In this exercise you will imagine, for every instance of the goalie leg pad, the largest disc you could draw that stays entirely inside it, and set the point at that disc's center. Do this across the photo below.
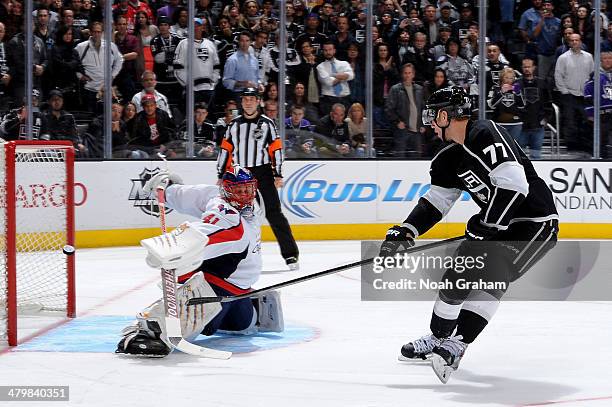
(150, 328)
(182, 249)
(270, 312)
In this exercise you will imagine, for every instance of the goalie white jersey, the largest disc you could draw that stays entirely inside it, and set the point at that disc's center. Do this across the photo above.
(233, 252)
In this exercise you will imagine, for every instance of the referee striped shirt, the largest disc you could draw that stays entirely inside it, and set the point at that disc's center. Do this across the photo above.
(251, 143)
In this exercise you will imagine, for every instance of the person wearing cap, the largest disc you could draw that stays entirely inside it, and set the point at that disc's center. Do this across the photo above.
(149, 82)
(206, 64)
(163, 47)
(439, 48)
(167, 10)
(312, 33)
(61, 124)
(252, 141)
(13, 125)
(466, 17)
(447, 13)
(153, 128)
(242, 68)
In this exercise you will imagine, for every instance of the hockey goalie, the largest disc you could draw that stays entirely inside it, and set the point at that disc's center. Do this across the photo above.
(217, 255)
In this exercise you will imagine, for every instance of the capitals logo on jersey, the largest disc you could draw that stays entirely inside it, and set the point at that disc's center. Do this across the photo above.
(475, 185)
(143, 200)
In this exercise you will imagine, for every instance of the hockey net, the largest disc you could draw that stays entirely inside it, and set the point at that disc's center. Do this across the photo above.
(36, 222)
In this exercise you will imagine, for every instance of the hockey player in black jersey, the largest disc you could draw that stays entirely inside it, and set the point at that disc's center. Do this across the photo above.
(517, 223)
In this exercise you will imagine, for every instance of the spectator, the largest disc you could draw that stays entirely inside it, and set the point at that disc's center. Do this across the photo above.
(606, 44)
(206, 65)
(306, 72)
(204, 137)
(466, 18)
(92, 55)
(545, 34)
(387, 28)
(149, 82)
(421, 59)
(439, 48)
(403, 46)
(312, 33)
(469, 45)
(13, 126)
(292, 60)
(529, 20)
(403, 109)
(64, 64)
(42, 29)
(564, 47)
(605, 77)
(327, 26)
(81, 18)
(538, 108)
(430, 24)
(61, 124)
(506, 101)
(54, 17)
(270, 109)
(432, 143)
(385, 76)
(163, 47)
(15, 58)
(128, 46)
(167, 10)
(448, 14)
(153, 128)
(582, 24)
(335, 128)
(342, 38)
(298, 99)
(506, 9)
(296, 126)
(358, 84)
(129, 116)
(493, 66)
(14, 21)
(357, 128)
(145, 32)
(68, 21)
(230, 112)
(270, 92)
(333, 77)
(458, 70)
(262, 53)
(180, 18)
(242, 69)
(304, 148)
(571, 73)
(5, 77)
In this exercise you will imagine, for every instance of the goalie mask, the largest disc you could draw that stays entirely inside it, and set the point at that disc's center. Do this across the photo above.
(453, 99)
(239, 187)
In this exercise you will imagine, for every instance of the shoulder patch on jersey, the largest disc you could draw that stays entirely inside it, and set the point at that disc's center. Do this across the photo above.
(226, 209)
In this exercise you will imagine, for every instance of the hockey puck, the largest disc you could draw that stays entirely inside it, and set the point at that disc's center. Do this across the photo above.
(68, 250)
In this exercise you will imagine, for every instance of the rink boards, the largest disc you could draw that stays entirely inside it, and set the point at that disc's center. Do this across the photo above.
(325, 199)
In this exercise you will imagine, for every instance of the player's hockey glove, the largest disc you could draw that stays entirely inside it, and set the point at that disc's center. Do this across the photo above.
(475, 230)
(162, 179)
(399, 238)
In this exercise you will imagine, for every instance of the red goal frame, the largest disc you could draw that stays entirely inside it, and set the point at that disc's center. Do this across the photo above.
(11, 148)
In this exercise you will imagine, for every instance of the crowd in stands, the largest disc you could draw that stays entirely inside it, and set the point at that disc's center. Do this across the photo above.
(537, 52)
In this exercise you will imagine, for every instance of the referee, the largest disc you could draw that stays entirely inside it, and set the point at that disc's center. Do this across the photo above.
(252, 141)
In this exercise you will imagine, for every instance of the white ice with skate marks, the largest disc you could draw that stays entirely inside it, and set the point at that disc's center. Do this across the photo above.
(532, 353)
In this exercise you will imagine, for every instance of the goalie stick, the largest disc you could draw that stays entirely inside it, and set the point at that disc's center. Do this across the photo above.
(255, 293)
(172, 319)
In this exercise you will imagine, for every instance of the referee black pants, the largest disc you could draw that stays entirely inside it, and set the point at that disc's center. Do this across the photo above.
(271, 202)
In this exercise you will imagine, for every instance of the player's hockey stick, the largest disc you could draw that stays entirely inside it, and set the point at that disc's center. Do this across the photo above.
(172, 319)
(255, 293)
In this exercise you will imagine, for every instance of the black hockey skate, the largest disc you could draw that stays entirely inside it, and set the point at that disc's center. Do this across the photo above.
(419, 349)
(446, 357)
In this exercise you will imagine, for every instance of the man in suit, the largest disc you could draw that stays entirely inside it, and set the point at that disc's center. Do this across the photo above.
(403, 109)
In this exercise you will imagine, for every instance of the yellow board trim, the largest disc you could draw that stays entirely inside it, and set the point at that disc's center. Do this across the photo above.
(376, 231)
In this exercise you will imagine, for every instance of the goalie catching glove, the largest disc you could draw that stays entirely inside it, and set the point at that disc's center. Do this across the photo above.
(162, 179)
(399, 238)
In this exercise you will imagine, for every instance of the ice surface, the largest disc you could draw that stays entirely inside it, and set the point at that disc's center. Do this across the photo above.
(339, 351)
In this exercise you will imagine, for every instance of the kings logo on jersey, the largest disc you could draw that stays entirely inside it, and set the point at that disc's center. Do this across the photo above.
(143, 200)
(476, 186)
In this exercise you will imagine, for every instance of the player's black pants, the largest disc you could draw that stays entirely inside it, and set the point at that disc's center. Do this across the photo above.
(503, 260)
(278, 221)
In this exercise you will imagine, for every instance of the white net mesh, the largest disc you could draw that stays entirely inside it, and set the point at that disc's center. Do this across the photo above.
(41, 231)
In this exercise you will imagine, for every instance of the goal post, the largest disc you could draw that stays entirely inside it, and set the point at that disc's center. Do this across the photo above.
(36, 223)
